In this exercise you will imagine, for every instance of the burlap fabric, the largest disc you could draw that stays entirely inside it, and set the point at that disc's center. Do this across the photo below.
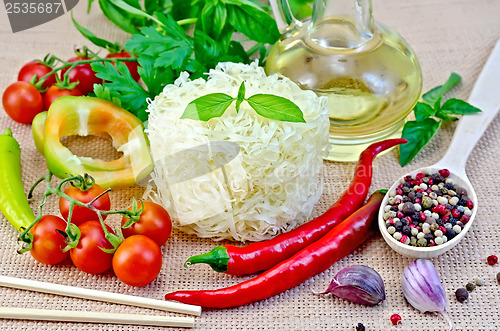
(447, 36)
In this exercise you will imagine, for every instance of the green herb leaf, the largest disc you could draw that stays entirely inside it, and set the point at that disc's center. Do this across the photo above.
(122, 86)
(253, 23)
(423, 111)
(458, 107)
(154, 79)
(445, 117)
(301, 8)
(207, 106)
(276, 108)
(151, 6)
(89, 5)
(206, 49)
(241, 96)
(220, 18)
(168, 50)
(182, 9)
(235, 53)
(133, 10)
(433, 95)
(418, 135)
(99, 42)
(104, 93)
(120, 18)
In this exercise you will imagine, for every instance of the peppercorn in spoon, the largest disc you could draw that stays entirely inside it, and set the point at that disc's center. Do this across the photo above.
(429, 210)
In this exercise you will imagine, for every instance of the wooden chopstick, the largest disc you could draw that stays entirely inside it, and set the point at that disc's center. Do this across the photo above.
(78, 292)
(93, 317)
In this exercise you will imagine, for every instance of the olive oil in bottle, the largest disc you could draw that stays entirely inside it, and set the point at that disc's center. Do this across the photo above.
(369, 74)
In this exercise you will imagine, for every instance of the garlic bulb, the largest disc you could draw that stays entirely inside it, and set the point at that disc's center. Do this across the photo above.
(358, 284)
(423, 290)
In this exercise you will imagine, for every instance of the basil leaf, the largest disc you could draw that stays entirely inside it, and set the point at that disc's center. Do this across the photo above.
(241, 96)
(133, 10)
(418, 134)
(99, 42)
(151, 6)
(276, 108)
(253, 3)
(220, 18)
(445, 117)
(119, 18)
(207, 17)
(207, 106)
(423, 111)
(253, 23)
(235, 53)
(458, 107)
(213, 18)
(433, 95)
(206, 49)
(89, 6)
(182, 9)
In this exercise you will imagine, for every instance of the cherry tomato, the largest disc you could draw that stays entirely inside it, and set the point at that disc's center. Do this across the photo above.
(137, 261)
(83, 74)
(35, 68)
(87, 256)
(55, 92)
(47, 242)
(22, 102)
(132, 66)
(83, 214)
(154, 223)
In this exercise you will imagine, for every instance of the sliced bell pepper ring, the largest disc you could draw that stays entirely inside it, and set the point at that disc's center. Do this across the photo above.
(84, 116)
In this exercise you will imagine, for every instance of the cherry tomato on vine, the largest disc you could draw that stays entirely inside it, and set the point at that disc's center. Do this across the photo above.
(137, 261)
(35, 68)
(154, 223)
(132, 66)
(87, 256)
(55, 92)
(83, 214)
(22, 102)
(83, 74)
(47, 241)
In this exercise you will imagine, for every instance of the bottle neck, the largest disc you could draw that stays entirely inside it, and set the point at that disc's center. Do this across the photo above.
(341, 23)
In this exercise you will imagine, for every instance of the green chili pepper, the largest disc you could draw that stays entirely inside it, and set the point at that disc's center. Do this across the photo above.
(13, 202)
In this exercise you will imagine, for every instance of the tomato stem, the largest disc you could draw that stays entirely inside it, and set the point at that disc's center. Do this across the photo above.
(72, 65)
(72, 231)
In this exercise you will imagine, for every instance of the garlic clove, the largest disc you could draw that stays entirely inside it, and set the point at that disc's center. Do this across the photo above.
(358, 284)
(422, 288)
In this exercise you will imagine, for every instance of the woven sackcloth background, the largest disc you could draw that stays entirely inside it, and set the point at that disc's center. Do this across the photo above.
(447, 36)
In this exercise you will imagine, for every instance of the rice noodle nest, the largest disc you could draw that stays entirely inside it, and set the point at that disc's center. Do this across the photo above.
(270, 184)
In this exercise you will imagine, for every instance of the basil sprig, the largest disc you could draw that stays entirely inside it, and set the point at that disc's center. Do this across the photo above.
(266, 105)
(429, 115)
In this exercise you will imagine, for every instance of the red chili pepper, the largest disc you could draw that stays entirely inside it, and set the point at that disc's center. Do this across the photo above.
(264, 255)
(312, 260)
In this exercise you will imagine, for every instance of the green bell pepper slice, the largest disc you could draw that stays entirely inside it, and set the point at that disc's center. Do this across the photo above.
(85, 116)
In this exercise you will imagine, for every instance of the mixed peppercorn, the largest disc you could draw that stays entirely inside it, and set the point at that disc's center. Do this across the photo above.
(427, 210)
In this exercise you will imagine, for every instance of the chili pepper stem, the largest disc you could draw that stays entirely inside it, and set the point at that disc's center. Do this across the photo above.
(217, 258)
